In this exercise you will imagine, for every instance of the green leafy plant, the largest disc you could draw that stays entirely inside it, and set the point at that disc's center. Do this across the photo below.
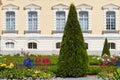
(106, 72)
(73, 59)
(116, 74)
(94, 70)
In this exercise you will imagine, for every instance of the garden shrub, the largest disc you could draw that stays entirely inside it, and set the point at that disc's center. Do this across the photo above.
(94, 70)
(93, 60)
(106, 48)
(73, 59)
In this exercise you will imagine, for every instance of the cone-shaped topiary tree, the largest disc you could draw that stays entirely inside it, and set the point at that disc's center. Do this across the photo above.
(106, 48)
(73, 59)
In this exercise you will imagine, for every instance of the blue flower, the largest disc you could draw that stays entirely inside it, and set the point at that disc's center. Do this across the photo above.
(28, 62)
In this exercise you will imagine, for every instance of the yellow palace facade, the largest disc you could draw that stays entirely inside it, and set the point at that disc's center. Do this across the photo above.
(36, 26)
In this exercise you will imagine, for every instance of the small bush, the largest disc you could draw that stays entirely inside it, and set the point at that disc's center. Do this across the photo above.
(94, 70)
(93, 60)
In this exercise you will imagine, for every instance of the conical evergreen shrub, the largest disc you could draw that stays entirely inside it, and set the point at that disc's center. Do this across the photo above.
(106, 48)
(73, 59)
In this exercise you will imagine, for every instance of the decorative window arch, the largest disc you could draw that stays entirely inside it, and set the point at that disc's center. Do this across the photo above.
(60, 14)
(84, 16)
(32, 17)
(10, 13)
(32, 45)
(110, 19)
(9, 44)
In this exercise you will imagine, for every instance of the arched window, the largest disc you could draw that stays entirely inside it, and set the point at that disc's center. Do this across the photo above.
(32, 20)
(111, 45)
(10, 20)
(84, 20)
(60, 20)
(58, 44)
(32, 45)
(110, 20)
(9, 45)
(86, 45)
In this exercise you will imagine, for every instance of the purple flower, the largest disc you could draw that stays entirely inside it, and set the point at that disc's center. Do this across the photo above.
(28, 62)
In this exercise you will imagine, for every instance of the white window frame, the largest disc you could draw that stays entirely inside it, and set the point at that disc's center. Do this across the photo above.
(111, 45)
(10, 45)
(9, 20)
(13, 8)
(32, 47)
(12, 41)
(33, 28)
(111, 7)
(88, 8)
(82, 27)
(32, 7)
(59, 7)
(110, 21)
(56, 45)
(60, 27)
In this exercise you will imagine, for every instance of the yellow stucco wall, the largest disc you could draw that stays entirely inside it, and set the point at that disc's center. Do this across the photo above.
(47, 17)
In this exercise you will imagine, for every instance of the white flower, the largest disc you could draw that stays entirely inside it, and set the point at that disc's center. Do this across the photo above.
(108, 60)
(102, 59)
(98, 58)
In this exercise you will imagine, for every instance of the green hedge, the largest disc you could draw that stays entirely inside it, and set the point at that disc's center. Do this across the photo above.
(94, 70)
(93, 60)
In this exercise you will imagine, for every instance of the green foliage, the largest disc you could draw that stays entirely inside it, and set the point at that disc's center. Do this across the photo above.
(73, 59)
(106, 48)
(25, 73)
(116, 74)
(106, 72)
(94, 70)
(93, 60)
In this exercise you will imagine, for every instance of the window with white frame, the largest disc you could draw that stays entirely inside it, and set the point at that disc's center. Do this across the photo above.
(84, 20)
(110, 20)
(32, 45)
(10, 20)
(10, 14)
(60, 14)
(32, 20)
(111, 45)
(9, 45)
(58, 45)
(32, 17)
(60, 20)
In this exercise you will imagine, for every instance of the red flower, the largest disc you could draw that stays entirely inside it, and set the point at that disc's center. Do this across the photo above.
(46, 61)
(38, 60)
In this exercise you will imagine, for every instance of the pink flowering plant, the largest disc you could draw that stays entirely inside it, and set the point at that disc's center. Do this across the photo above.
(106, 60)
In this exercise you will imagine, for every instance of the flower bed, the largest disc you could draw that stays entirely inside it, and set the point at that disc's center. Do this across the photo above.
(45, 66)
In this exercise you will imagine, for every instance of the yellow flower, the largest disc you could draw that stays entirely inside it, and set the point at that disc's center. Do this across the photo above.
(36, 72)
(11, 65)
(3, 65)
